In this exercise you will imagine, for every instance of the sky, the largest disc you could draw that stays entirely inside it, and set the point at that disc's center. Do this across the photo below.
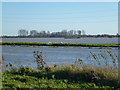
(92, 17)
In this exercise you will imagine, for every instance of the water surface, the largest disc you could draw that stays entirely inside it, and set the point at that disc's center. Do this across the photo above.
(21, 55)
(59, 40)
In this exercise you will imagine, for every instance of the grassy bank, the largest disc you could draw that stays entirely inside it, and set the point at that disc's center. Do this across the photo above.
(59, 44)
(68, 76)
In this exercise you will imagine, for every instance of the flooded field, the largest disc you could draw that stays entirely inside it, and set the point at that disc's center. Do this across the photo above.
(59, 40)
(21, 55)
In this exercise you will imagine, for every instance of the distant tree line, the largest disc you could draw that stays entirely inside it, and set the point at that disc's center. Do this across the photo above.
(23, 33)
(63, 33)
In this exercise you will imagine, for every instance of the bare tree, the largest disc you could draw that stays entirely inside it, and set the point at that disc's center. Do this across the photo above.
(22, 32)
(33, 33)
(70, 33)
(48, 33)
(64, 32)
(43, 33)
(74, 32)
(83, 32)
(79, 32)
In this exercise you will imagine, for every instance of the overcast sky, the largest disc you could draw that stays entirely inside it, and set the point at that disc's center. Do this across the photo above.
(93, 17)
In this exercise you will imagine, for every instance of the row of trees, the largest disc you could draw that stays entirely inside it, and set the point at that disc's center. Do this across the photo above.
(63, 33)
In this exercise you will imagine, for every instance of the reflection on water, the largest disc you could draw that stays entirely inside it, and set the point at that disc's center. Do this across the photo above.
(19, 55)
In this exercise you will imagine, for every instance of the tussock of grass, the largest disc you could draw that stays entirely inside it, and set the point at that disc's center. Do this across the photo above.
(62, 77)
(59, 44)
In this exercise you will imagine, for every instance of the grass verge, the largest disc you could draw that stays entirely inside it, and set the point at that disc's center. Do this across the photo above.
(68, 76)
(59, 44)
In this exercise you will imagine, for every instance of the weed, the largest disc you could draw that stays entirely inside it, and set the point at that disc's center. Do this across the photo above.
(39, 59)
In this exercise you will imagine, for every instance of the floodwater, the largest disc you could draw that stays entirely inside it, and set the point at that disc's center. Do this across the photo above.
(21, 55)
(59, 40)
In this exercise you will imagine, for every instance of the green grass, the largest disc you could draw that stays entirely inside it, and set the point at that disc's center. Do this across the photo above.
(18, 81)
(59, 44)
(68, 76)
